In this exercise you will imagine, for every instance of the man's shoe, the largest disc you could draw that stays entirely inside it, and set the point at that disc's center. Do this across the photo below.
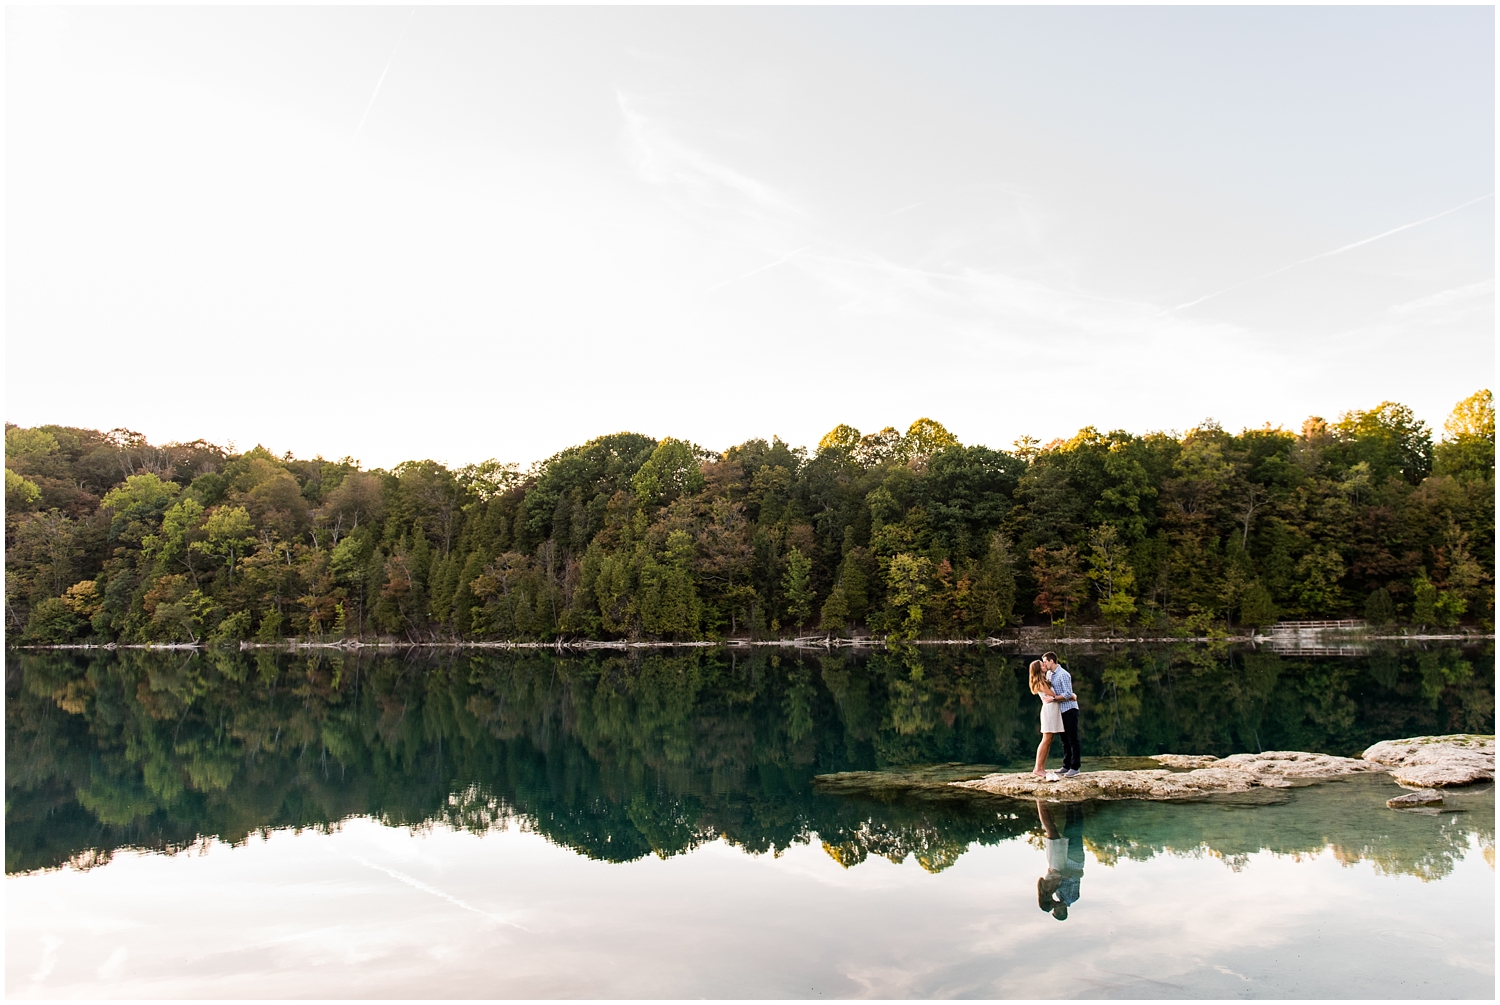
(1070, 773)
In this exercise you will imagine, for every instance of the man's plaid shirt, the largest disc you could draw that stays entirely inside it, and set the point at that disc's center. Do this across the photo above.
(1062, 686)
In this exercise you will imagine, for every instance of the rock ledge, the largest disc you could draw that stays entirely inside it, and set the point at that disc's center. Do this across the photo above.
(1427, 763)
(1435, 762)
(1278, 769)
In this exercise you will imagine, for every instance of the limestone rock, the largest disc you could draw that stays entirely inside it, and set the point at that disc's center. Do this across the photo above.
(1422, 797)
(1431, 762)
(1185, 760)
(1277, 769)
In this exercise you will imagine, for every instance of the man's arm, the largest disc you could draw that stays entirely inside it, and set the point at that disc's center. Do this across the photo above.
(1067, 695)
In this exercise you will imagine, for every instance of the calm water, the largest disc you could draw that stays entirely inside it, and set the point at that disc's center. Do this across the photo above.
(263, 825)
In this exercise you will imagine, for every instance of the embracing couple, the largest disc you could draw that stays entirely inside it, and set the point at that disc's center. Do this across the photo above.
(1054, 686)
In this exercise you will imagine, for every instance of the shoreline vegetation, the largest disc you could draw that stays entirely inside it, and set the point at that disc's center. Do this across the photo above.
(803, 642)
(880, 538)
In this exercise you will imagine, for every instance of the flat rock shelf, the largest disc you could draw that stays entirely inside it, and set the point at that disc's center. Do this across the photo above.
(1423, 762)
(1437, 762)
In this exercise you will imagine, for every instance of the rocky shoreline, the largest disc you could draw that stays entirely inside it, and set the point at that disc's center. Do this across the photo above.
(1029, 638)
(1423, 763)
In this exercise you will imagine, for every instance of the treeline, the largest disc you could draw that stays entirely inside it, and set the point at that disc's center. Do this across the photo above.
(109, 538)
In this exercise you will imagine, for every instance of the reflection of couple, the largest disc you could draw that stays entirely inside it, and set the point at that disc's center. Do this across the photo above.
(1054, 686)
(1058, 890)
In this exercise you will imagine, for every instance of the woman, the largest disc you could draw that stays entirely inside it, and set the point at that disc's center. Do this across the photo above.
(1052, 723)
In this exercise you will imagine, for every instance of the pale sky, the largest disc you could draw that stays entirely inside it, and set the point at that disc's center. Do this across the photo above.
(468, 232)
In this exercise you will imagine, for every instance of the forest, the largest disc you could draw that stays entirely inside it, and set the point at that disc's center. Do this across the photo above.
(901, 536)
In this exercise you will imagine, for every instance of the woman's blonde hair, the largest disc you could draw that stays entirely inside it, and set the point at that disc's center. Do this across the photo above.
(1038, 677)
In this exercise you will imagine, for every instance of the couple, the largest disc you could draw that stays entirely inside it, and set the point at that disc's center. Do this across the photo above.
(1054, 686)
(1058, 889)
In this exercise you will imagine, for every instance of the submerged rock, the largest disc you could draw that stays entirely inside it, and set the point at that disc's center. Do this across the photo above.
(1277, 769)
(1432, 762)
(1421, 797)
(1188, 761)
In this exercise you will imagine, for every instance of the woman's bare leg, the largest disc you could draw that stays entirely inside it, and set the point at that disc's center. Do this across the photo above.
(1044, 813)
(1041, 754)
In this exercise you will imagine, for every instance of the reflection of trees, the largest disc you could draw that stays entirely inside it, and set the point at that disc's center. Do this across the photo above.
(935, 834)
(623, 756)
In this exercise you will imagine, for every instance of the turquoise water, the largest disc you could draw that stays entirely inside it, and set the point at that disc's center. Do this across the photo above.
(264, 825)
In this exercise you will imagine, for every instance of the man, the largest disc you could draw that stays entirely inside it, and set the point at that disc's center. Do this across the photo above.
(1062, 686)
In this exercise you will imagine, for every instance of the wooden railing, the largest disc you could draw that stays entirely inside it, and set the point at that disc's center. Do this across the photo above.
(1298, 627)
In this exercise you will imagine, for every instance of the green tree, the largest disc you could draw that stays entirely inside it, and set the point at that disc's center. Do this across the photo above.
(51, 622)
(1319, 573)
(172, 546)
(797, 586)
(28, 443)
(995, 589)
(1424, 600)
(924, 438)
(227, 532)
(672, 471)
(138, 506)
(20, 493)
(1112, 575)
(842, 437)
(835, 614)
(1389, 437)
(1468, 445)
(909, 580)
(1380, 610)
(1257, 609)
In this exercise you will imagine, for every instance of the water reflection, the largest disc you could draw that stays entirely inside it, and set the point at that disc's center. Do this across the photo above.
(620, 757)
(1058, 889)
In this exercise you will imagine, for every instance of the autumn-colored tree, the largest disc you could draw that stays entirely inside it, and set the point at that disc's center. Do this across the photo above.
(1060, 580)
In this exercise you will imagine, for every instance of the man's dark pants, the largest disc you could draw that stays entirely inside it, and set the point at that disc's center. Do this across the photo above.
(1072, 752)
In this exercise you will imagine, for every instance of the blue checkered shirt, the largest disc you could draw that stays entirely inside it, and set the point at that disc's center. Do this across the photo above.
(1062, 686)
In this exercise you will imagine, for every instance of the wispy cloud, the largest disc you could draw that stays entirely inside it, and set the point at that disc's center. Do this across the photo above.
(1330, 254)
(755, 272)
(664, 160)
(381, 82)
(1446, 301)
(964, 299)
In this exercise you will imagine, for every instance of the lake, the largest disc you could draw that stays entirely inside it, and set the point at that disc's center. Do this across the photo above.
(492, 824)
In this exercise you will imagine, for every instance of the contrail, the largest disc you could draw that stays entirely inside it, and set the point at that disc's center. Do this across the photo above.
(755, 272)
(428, 888)
(399, 39)
(1327, 254)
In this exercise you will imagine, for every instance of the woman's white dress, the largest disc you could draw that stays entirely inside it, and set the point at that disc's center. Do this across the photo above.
(1057, 853)
(1051, 717)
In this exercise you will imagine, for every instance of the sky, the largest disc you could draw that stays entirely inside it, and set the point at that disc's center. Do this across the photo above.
(470, 232)
(370, 911)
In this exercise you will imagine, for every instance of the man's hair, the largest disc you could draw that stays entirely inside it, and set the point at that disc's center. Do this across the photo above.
(1050, 656)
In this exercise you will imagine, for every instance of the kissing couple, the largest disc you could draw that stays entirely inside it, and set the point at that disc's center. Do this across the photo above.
(1054, 686)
